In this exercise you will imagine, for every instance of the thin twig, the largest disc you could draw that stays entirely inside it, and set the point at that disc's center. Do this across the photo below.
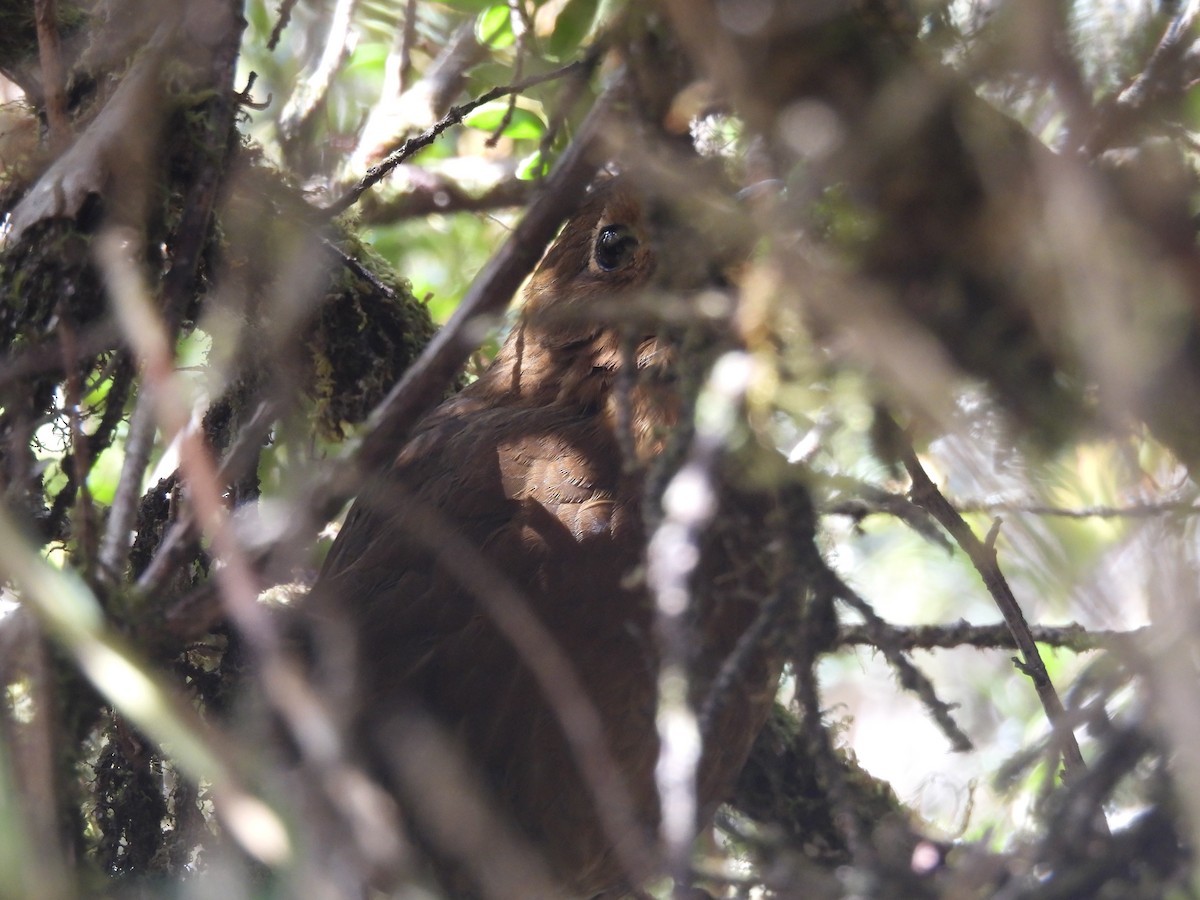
(1164, 74)
(70, 613)
(864, 497)
(139, 441)
(521, 27)
(688, 505)
(285, 16)
(789, 597)
(178, 287)
(911, 678)
(1134, 511)
(47, 357)
(568, 93)
(422, 385)
(121, 372)
(926, 494)
(312, 91)
(454, 117)
(820, 748)
(861, 499)
(284, 685)
(407, 36)
(1071, 833)
(168, 397)
(427, 192)
(172, 549)
(1062, 64)
(53, 76)
(996, 637)
(444, 77)
(81, 458)
(358, 269)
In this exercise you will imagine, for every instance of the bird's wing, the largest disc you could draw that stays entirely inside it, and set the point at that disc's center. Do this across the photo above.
(523, 487)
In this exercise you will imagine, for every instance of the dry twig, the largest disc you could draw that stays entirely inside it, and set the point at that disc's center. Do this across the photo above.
(983, 555)
(53, 76)
(454, 117)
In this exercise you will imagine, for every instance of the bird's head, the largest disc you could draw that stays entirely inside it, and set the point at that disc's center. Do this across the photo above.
(636, 269)
(631, 260)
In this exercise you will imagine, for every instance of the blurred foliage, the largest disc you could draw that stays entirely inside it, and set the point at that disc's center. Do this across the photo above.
(263, 281)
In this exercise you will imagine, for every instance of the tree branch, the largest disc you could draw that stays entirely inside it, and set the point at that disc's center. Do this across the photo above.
(455, 116)
(996, 637)
(926, 494)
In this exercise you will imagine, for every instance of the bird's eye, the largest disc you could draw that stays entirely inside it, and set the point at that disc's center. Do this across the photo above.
(615, 247)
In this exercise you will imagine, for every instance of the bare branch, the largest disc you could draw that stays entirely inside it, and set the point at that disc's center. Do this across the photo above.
(406, 38)
(926, 494)
(995, 637)
(285, 16)
(1168, 72)
(420, 388)
(311, 91)
(455, 116)
(689, 503)
(427, 193)
(911, 678)
(53, 75)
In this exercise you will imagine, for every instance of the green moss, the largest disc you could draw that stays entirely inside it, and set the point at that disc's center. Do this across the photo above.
(364, 331)
(47, 275)
(362, 340)
(779, 785)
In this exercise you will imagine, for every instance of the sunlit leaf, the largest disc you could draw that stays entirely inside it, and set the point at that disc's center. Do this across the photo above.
(468, 5)
(494, 27)
(522, 123)
(533, 166)
(258, 17)
(105, 474)
(368, 58)
(98, 393)
(572, 26)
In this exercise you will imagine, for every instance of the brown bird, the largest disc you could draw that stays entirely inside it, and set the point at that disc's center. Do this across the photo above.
(539, 469)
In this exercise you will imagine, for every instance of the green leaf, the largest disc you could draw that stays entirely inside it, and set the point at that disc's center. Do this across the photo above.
(105, 474)
(573, 24)
(523, 124)
(98, 393)
(370, 57)
(493, 28)
(472, 6)
(533, 166)
(259, 19)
